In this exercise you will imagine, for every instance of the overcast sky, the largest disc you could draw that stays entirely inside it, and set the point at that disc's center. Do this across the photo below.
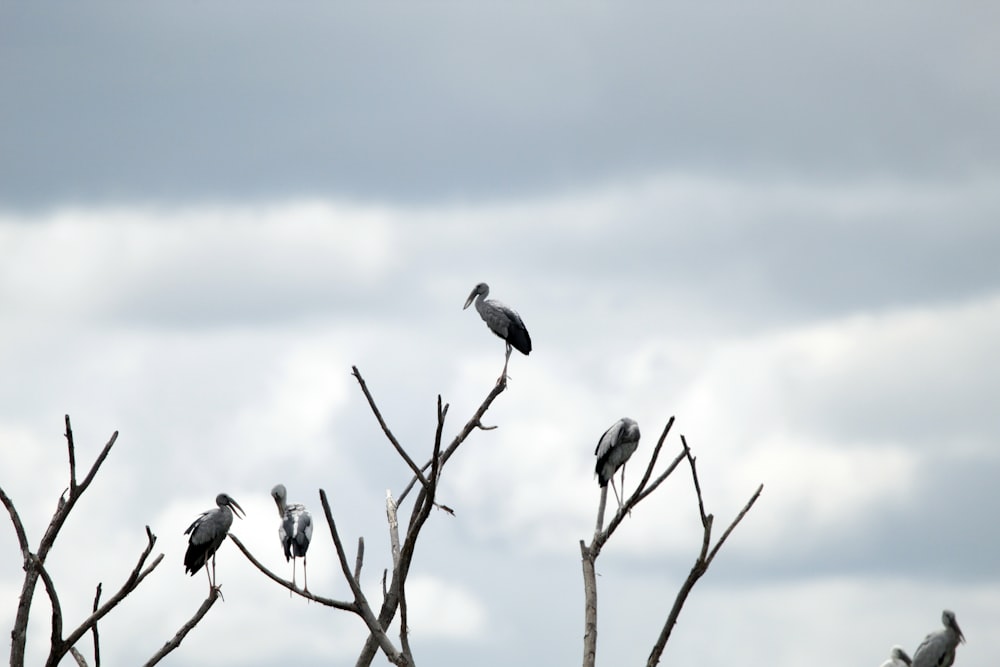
(778, 224)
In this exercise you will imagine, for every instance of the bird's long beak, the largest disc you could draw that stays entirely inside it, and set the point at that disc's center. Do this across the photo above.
(469, 300)
(237, 510)
(961, 637)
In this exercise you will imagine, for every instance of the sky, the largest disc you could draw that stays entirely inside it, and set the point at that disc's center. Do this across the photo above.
(777, 224)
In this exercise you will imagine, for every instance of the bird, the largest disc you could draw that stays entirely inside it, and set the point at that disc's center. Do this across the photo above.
(897, 658)
(938, 648)
(294, 531)
(613, 449)
(502, 321)
(207, 533)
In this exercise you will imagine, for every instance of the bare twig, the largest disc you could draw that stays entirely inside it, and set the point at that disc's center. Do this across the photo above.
(385, 428)
(736, 521)
(22, 537)
(72, 457)
(359, 560)
(80, 660)
(97, 639)
(697, 484)
(337, 604)
(175, 641)
(392, 519)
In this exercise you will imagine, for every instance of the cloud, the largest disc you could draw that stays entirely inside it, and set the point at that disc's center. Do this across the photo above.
(366, 102)
(447, 611)
(224, 359)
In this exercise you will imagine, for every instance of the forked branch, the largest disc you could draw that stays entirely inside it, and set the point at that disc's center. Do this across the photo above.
(707, 551)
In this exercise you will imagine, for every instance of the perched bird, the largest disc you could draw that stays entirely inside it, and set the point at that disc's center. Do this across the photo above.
(207, 533)
(502, 321)
(613, 449)
(294, 531)
(897, 658)
(938, 648)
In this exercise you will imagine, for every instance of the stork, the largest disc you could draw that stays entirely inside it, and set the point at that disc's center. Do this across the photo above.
(207, 533)
(613, 449)
(897, 658)
(502, 321)
(294, 531)
(938, 648)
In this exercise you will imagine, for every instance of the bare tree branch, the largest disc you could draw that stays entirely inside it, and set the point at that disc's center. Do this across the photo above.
(424, 502)
(22, 537)
(97, 640)
(641, 492)
(363, 609)
(56, 625)
(701, 563)
(337, 604)
(80, 660)
(213, 595)
(471, 425)
(31, 564)
(34, 567)
(590, 602)
(739, 517)
(697, 484)
(359, 560)
(132, 581)
(72, 456)
(385, 428)
(706, 553)
(393, 521)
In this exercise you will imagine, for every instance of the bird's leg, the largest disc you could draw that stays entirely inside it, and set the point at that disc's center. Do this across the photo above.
(623, 490)
(209, 575)
(506, 360)
(616, 493)
(305, 575)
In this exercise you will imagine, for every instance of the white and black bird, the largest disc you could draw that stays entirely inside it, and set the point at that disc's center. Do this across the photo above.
(295, 530)
(503, 321)
(897, 658)
(938, 648)
(207, 534)
(613, 449)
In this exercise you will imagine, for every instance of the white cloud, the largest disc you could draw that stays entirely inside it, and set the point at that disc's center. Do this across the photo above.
(441, 610)
(838, 410)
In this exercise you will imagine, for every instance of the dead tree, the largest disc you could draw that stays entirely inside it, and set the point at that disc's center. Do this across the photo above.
(707, 553)
(424, 482)
(34, 569)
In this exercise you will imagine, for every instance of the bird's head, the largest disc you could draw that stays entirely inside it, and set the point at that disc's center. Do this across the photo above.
(223, 500)
(948, 618)
(481, 288)
(280, 495)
